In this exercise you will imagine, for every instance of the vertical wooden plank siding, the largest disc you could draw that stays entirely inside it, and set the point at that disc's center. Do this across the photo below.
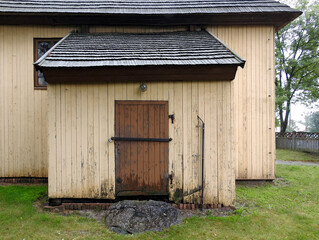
(254, 96)
(136, 29)
(84, 153)
(52, 139)
(23, 110)
(2, 86)
(185, 150)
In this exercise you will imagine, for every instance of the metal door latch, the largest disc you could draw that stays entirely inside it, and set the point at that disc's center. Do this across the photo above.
(172, 117)
(141, 139)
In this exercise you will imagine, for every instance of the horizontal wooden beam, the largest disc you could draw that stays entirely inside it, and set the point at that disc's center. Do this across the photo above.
(140, 74)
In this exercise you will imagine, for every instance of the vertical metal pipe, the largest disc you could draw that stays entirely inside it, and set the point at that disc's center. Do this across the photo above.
(203, 158)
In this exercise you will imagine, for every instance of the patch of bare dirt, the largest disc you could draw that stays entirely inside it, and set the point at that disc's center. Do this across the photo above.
(217, 212)
(98, 215)
(41, 202)
(253, 183)
(281, 182)
(278, 182)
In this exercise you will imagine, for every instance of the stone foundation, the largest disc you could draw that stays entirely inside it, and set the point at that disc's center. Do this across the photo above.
(30, 180)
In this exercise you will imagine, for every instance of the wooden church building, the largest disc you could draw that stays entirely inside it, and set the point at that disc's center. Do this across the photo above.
(116, 98)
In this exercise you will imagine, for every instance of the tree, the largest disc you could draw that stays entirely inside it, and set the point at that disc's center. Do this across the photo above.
(292, 126)
(312, 122)
(297, 61)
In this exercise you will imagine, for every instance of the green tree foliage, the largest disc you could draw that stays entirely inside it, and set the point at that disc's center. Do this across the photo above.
(312, 122)
(297, 62)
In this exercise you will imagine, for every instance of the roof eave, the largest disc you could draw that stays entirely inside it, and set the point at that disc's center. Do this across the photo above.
(278, 19)
(288, 20)
(43, 67)
(140, 73)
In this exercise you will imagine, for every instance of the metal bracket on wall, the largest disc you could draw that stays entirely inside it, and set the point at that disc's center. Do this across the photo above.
(170, 176)
(172, 117)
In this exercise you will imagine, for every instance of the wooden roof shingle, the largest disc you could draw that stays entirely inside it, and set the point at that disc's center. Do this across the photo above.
(143, 6)
(128, 49)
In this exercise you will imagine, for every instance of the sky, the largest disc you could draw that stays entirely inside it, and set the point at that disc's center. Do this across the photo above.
(299, 111)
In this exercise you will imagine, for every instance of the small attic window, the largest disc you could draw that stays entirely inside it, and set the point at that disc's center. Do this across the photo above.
(41, 46)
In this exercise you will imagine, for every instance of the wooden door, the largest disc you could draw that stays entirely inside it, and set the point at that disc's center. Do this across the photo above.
(141, 147)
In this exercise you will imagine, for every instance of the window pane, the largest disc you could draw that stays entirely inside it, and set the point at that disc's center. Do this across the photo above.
(43, 47)
(41, 79)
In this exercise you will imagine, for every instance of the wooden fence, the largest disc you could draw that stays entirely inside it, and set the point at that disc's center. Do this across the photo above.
(298, 141)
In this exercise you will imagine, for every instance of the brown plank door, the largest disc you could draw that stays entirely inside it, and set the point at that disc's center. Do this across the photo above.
(141, 148)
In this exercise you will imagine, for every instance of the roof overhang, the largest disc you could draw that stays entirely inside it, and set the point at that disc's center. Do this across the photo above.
(140, 74)
(277, 19)
(147, 12)
(81, 57)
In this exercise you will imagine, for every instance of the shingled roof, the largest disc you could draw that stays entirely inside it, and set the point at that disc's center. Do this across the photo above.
(152, 49)
(143, 6)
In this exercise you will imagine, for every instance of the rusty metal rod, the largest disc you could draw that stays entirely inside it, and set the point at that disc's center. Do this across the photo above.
(203, 150)
(142, 139)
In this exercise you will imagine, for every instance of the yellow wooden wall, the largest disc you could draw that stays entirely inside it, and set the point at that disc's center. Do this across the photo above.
(81, 120)
(23, 149)
(23, 110)
(254, 99)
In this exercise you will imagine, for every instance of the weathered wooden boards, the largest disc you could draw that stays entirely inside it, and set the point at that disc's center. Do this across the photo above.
(141, 148)
(23, 110)
(96, 170)
(89, 113)
(254, 99)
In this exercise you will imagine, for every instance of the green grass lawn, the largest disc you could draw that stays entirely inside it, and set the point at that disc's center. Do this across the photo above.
(288, 209)
(289, 155)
